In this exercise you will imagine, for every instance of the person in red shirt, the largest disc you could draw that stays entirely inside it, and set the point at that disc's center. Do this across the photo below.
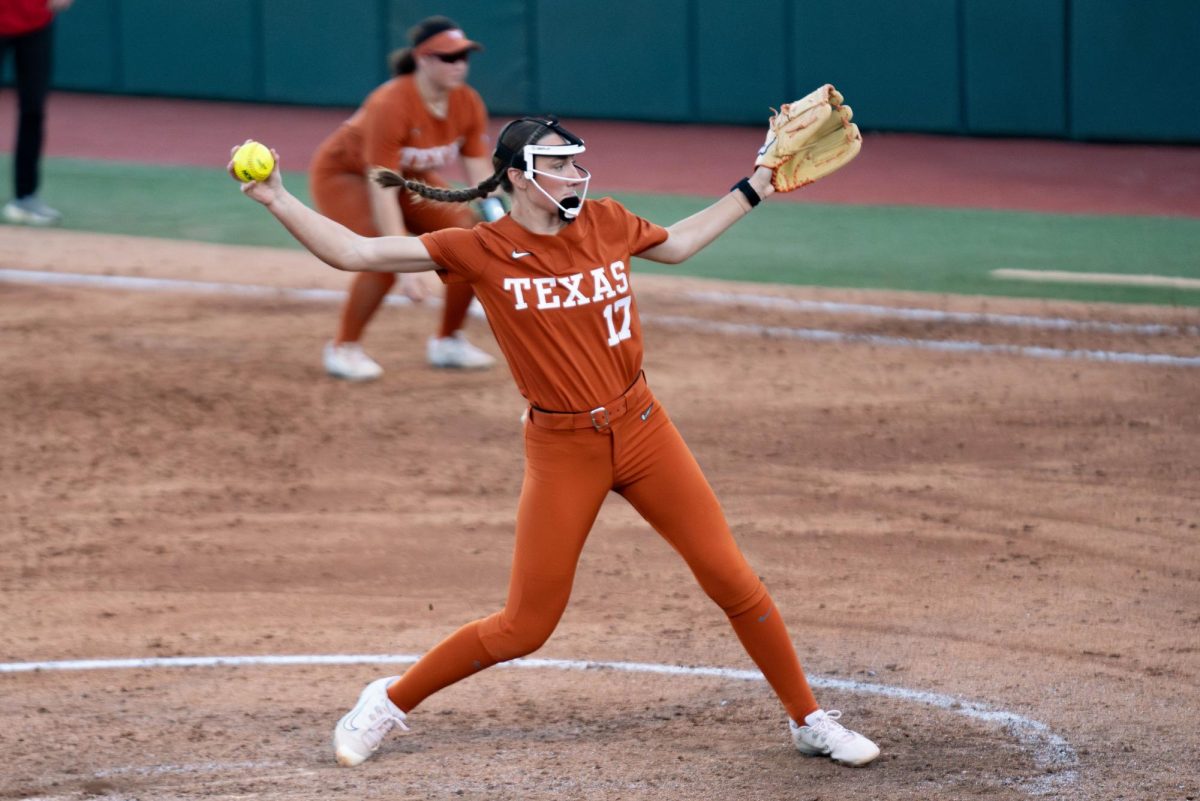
(554, 277)
(423, 120)
(27, 28)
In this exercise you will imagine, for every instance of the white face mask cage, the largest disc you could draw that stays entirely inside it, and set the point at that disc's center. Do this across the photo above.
(570, 207)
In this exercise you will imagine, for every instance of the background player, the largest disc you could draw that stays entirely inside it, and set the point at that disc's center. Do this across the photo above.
(27, 29)
(419, 122)
(554, 278)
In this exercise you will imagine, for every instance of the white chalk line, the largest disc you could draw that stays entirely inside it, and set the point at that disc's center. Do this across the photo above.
(1051, 751)
(142, 284)
(670, 321)
(943, 345)
(1106, 279)
(195, 767)
(938, 315)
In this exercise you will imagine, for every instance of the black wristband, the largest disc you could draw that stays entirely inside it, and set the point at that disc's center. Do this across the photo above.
(746, 189)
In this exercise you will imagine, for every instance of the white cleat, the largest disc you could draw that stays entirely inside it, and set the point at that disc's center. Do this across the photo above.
(30, 211)
(349, 362)
(455, 351)
(822, 735)
(357, 735)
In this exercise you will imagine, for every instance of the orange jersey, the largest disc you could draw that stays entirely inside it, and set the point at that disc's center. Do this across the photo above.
(394, 129)
(561, 306)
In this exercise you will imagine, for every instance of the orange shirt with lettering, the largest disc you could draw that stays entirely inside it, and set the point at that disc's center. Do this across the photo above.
(561, 306)
(394, 129)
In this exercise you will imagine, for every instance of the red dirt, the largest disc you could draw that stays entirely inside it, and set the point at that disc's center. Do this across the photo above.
(177, 477)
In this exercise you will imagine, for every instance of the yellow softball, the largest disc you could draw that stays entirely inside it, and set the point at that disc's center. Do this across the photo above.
(253, 162)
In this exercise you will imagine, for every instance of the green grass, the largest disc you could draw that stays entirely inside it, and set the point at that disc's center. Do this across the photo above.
(195, 203)
(903, 248)
(941, 250)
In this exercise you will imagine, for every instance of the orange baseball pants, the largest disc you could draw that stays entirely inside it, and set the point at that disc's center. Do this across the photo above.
(342, 196)
(568, 473)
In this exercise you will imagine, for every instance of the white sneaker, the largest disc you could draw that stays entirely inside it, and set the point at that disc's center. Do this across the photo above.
(359, 733)
(822, 735)
(348, 361)
(456, 351)
(31, 211)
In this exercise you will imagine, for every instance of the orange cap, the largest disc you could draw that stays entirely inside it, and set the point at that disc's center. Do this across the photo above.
(445, 43)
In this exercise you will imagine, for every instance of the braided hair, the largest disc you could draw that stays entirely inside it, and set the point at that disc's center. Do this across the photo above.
(510, 152)
(389, 178)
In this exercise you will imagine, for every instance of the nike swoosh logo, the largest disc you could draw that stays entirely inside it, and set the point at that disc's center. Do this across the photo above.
(763, 619)
(520, 254)
(346, 721)
(646, 413)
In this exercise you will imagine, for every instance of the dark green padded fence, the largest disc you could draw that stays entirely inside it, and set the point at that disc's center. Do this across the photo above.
(1135, 69)
(1083, 69)
(1014, 67)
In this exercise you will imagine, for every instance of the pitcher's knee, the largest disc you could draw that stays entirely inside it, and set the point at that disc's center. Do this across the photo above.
(735, 589)
(737, 600)
(506, 638)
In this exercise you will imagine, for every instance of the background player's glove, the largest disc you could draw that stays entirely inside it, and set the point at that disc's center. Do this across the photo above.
(809, 139)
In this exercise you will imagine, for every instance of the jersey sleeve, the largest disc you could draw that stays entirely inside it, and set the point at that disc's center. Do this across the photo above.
(384, 127)
(457, 253)
(641, 234)
(475, 133)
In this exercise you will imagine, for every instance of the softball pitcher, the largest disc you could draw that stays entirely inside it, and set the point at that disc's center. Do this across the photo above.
(420, 122)
(554, 277)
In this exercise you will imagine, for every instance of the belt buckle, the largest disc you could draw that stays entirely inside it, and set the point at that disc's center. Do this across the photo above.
(596, 423)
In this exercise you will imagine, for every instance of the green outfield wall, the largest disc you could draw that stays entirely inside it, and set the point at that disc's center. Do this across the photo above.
(1078, 69)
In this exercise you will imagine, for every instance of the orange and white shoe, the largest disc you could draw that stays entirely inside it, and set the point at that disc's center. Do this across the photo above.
(823, 735)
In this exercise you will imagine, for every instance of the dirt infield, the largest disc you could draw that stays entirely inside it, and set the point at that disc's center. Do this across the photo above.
(1006, 544)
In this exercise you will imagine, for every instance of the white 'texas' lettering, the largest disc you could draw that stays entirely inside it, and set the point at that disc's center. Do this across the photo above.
(574, 296)
(618, 271)
(518, 286)
(607, 283)
(423, 159)
(545, 292)
(603, 289)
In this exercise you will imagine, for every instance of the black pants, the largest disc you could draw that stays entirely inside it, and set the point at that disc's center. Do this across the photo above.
(32, 54)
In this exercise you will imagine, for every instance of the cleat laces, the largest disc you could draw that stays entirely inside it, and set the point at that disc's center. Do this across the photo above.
(830, 731)
(382, 721)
